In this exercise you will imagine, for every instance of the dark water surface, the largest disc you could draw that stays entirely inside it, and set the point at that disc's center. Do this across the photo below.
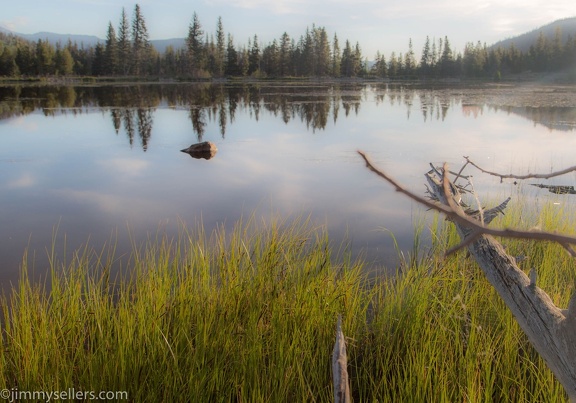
(104, 162)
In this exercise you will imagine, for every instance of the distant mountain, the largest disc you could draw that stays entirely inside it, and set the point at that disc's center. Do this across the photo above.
(524, 41)
(53, 38)
(90, 40)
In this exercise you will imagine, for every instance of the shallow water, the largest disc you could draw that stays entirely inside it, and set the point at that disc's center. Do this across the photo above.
(95, 163)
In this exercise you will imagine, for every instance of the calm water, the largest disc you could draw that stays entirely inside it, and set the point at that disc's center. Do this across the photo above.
(104, 162)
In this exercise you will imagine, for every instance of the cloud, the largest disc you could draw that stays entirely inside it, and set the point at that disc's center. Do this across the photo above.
(16, 24)
(276, 7)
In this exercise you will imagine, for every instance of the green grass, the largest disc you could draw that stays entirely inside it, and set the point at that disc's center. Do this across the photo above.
(250, 315)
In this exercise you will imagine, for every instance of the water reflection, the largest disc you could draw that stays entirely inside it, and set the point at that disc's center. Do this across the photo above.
(134, 121)
(132, 107)
(290, 146)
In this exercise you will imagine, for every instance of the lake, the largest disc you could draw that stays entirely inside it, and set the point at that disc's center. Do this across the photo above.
(91, 164)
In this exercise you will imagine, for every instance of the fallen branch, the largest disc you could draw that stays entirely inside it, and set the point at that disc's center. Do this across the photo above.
(528, 176)
(551, 330)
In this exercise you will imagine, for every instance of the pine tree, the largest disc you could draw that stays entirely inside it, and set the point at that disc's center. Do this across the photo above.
(447, 60)
(140, 42)
(410, 61)
(124, 45)
(98, 63)
(336, 57)
(380, 68)
(64, 64)
(243, 62)
(308, 56)
(426, 59)
(254, 57)
(211, 56)
(44, 58)
(557, 51)
(8, 66)
(285, 56)
(231, 68)
(322, 50)
(347, 63)
(541, 54)
(271, 58)
(195, 45)
(25, 60)
(393, 66)
(220, 48)
(111, 51)
(169, 62)
(359, 66)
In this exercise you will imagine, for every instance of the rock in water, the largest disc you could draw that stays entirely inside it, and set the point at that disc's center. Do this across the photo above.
(205, 150)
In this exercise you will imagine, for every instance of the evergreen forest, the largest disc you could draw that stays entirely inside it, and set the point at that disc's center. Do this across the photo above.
(127, 51)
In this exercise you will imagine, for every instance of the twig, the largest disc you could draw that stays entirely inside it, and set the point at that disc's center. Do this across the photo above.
(480, 209)
(528, 176)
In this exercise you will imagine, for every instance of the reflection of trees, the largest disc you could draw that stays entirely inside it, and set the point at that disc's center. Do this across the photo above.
(434, 104)
(132, 106)
(554, 118)
(133, 121)
(144, 126)
(198, 121)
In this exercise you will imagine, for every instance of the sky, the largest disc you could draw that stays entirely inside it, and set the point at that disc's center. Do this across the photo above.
(377, 25)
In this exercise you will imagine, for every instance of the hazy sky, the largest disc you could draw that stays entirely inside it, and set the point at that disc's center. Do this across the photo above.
(384, 25)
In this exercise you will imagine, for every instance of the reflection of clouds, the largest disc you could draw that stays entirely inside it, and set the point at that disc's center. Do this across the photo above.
(25, 180)
(124, 204)
(125, 166)
(287, 167)
(24, 123)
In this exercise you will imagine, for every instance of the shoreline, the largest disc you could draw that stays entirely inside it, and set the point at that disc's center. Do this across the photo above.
(561, 78)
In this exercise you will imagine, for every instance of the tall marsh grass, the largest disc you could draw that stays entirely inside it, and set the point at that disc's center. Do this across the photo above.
(249, 315)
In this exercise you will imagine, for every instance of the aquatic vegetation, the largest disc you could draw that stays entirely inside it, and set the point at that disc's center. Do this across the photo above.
(250, 315)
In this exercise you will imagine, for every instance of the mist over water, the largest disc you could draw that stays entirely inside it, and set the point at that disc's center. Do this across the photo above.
(95, 164)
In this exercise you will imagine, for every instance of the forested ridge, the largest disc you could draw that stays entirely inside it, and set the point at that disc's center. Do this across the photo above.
(127, 51)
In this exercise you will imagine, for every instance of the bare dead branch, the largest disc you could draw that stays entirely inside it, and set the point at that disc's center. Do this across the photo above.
(399, 188)
(459, 174)
(551, 330)
(480, 209)
(528, 176)
(474, 226)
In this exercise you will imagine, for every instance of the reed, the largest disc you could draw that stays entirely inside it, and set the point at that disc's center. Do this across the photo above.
(249, 315)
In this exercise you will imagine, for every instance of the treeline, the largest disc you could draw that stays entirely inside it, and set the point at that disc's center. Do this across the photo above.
(127, 51)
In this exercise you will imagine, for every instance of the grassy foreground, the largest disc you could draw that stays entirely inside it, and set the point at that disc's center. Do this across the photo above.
(250, 316)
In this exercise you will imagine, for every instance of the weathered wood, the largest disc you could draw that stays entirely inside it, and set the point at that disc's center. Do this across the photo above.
(551, 330)
(339, 367)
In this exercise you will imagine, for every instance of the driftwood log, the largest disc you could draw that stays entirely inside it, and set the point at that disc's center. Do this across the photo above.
(550, 329)
(339, 367)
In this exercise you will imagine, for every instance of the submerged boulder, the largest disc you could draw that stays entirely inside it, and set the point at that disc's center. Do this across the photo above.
(205, 150)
